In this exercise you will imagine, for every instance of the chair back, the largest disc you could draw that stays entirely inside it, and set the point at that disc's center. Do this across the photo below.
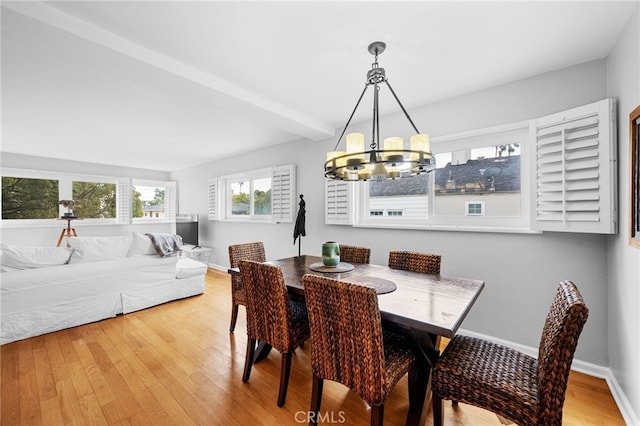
(268, 309)
(346, 333)
(354, 254)
(426, 263)
(563, 325)
(246, 251)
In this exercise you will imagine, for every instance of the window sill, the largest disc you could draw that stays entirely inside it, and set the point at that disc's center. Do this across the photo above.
(149, 221)
(459, 228)
(57, 223)
(247, 220)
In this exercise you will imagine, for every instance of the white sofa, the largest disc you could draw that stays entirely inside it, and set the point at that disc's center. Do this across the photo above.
(44, 289)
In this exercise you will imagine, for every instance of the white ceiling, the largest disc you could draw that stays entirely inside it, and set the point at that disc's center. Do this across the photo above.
(168, 85)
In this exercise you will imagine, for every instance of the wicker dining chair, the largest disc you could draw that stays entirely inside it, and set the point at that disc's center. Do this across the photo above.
(349, 346)
(514, 385)
(354, 254)
(426, 263)
(237, 252)
(272, 317)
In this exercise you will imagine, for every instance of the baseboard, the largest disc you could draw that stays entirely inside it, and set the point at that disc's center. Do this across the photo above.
(218, 267)
(626, 410)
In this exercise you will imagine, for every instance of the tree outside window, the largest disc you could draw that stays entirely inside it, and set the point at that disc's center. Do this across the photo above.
(251, 197)
(28, 198)
(94, 200)
(148, 202)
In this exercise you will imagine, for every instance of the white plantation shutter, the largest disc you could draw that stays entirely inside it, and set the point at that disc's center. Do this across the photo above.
(170, 201)
(213, 210)
(124, 201)
(283, 190)
(337, 196)
(575, 170)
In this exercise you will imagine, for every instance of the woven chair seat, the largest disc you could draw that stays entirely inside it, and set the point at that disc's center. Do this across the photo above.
(399, 356)
(299, 322)
(472, 376)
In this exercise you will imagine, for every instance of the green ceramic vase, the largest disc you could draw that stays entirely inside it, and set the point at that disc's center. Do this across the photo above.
(330, 254)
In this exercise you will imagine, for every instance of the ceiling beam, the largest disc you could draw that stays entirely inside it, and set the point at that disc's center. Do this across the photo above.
(267, 111)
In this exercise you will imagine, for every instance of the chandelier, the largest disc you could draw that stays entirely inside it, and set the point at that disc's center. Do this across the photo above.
(391, 162)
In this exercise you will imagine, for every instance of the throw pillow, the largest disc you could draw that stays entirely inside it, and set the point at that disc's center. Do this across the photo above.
(142, 245)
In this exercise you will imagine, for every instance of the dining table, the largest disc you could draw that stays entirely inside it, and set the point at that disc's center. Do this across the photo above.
(424, 306)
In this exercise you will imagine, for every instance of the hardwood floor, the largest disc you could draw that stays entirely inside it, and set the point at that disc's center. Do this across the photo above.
(177, 364)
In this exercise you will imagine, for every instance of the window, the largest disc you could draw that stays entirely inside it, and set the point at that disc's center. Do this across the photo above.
(474, 208)
(147, 201)
(96, 200)
(250, 197)
(482, 167)
(259, 195)
(153, 201)
(634, 141)
(30, 196)
(480, 164)
(554, 173)
(405, 198)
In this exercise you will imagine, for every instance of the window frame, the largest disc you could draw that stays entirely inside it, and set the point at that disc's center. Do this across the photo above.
(169, 204)
(249, 177)
(563, 157)
(457, 142)
(283, 195)
(32, 174)
(65, 191)
(489, 136)
(468, 205)
(90, 179)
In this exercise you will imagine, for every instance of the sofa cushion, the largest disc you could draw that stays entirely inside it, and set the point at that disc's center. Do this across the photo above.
(16, 258)
(187, 268)
(91, 249)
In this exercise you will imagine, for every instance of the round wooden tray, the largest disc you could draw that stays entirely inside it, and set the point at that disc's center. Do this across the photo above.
(380, 285)
(340, 267)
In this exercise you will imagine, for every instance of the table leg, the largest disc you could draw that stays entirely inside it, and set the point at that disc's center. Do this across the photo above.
(430, 347)
(262, 351)
(420, 397)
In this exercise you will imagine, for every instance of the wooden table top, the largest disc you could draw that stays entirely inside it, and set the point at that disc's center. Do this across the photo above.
(430, 303)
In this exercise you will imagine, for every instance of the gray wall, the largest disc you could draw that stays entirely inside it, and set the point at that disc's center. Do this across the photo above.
(521, 271)
(623, 78)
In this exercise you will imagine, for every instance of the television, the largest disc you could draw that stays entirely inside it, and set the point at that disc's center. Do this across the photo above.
(187, 228)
